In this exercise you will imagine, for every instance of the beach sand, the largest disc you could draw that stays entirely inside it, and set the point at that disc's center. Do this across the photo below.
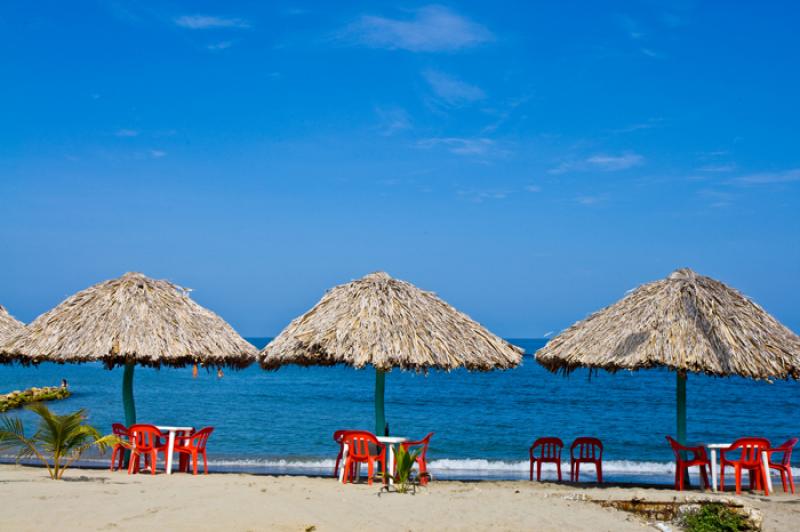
(100, 500)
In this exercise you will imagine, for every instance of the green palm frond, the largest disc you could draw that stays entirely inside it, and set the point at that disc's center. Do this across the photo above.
(59, 440)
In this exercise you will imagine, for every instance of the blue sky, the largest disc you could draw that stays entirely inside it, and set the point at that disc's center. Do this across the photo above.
(528, 161)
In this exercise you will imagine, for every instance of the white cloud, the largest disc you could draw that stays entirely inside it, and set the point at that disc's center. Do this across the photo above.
(392, 120)
(478, 147)
(533, 188)
(431, 29)
(615, 162)
(157, 154)
(204, 22)
(718, 168)
(451, 90)
(479, 196)
(768, 178)
(606, 163)
(126, 133)
(217, 46)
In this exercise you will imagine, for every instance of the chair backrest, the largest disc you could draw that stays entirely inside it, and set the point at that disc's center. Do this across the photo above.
(144, 437)
(751, 449)
(549, 448)
(339, 435)
(361, 443)
(588, 448)
(786, 448)
(421, 444)
(199, 439)
(120, 430)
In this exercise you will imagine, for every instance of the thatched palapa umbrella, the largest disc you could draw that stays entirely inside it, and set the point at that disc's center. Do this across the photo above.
(127, 321)
(687, 323)
(387, 323)
(9, 325)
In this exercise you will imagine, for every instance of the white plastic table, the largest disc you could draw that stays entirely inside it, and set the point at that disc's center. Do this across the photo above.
(390, 442)
(712, 447)
(171, 441)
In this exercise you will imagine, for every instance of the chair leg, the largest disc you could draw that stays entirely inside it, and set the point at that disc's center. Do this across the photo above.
(600, 472)
(704, 477)
(370, 465)
(531, 470)
(791, 480)
(205, 463)
(764, 480)
(539, 471)
(558, 470)
(336, 466)
(679, 477)
(722, 478)
(194, 463)
(737, 472)
(577, 471)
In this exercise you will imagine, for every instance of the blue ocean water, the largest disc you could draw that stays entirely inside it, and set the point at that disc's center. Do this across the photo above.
(282, 421)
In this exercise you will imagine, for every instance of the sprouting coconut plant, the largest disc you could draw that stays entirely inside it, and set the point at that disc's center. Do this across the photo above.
(58, 441)
(403, 476)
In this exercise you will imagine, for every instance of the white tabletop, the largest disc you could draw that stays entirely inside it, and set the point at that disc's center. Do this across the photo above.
(718, 445)
(391, 439)
(172, 429)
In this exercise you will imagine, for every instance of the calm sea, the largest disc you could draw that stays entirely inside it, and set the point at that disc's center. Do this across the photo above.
(282, 421)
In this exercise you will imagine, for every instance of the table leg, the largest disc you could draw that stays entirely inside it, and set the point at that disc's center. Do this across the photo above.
(713, 469)
(170, 447)
(390, 463)
(765, 464)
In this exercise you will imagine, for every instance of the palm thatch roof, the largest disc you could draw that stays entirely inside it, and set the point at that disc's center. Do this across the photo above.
(686, 322)
(388, 323)
(8, 325)
(130, 319)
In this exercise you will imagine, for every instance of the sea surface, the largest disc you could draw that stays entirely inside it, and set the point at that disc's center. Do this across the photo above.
(282, 421)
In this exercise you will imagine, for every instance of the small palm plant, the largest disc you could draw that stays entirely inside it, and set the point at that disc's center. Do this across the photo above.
(403, 476)
(58, 442)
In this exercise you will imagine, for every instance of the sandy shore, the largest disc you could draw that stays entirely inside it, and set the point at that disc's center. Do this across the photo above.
(99, 500)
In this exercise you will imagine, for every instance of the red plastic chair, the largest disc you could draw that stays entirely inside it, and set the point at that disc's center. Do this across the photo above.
(749, 459)
(422, 463)
(182, 439)
(192, 447)
(118, 451)
(363, 448)
(590, 451)
(146, 442)
(338, 437)
(549, 453)
(785, 465)
(699, 458)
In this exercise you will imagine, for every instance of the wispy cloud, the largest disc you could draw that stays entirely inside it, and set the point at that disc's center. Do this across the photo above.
(603, 162)
(392, 120)
(126, 133)
(648, 124)
(476, 147)
(631, 26)
(768, 178)
(217, 46)
(479, 196)
(590, 200)
(451, 90)
(204, 22)
(431, 28)
(615, 162)
(157, 154)
(533, 188)
(718, 168)
(716, 199)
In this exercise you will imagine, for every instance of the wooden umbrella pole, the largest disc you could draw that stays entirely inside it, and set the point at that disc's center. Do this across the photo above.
(380, 416)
